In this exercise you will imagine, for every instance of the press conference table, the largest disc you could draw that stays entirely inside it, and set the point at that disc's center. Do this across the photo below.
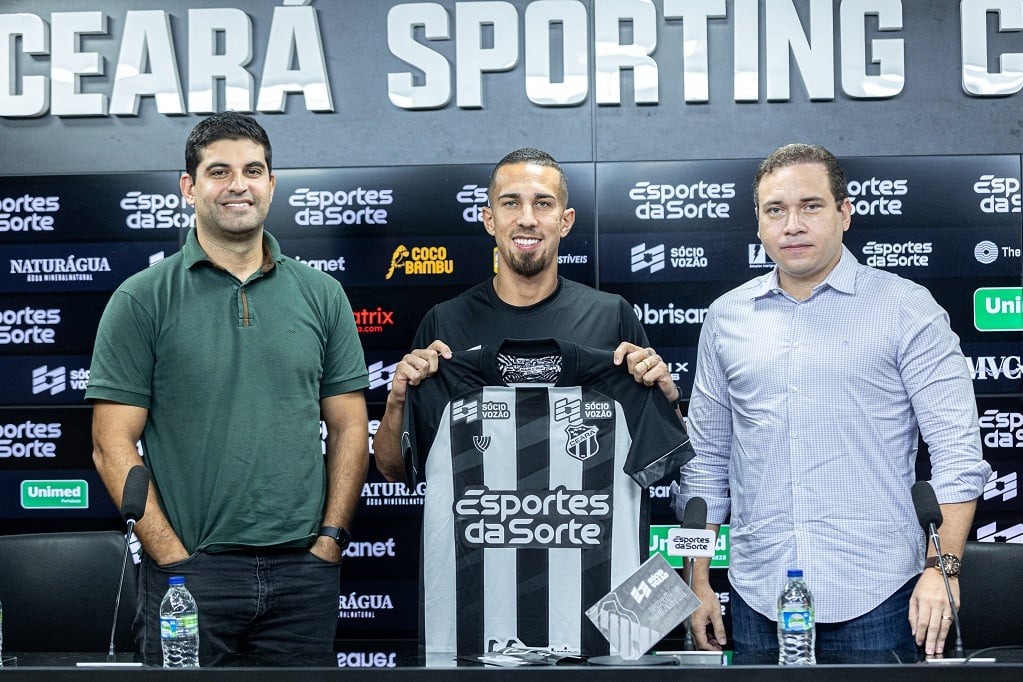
(47, 666)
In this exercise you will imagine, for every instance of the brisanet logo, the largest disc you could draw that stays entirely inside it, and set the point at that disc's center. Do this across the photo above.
(649, 315)
(69, 494)
(998, 309)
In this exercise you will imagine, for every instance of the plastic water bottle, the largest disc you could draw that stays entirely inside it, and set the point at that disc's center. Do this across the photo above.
(796, 625)
(179, 626)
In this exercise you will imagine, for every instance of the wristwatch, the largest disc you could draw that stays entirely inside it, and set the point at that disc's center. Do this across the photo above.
(953, 564)
(339, 535)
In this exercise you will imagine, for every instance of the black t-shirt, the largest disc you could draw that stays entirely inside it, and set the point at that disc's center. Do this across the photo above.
(574, 312)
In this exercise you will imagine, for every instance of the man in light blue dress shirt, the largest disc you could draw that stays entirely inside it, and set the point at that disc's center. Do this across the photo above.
(813, 383)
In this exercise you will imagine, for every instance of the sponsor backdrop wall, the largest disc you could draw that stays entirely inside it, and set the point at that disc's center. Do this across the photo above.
(386, 119)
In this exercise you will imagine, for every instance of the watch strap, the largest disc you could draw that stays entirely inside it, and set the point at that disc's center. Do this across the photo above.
(338, 534)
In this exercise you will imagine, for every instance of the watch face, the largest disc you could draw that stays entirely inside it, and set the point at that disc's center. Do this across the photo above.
(952, 564)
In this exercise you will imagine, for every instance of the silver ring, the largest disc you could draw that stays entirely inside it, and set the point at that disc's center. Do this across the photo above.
(946, 617)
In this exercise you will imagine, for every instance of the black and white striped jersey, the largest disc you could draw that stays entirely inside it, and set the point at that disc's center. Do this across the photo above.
(536, 492)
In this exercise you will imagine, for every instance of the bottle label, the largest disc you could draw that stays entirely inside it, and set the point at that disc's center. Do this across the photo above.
(181, 626)
(796, 621)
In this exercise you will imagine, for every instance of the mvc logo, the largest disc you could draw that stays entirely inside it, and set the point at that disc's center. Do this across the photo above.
(476, 198)
(1001, 195)
(987, 367)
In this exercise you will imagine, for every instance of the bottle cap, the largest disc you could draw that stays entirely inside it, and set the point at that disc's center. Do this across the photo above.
(176, 580)
(795, 573)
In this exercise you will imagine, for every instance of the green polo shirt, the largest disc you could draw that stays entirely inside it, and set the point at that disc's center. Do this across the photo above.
(232, 374)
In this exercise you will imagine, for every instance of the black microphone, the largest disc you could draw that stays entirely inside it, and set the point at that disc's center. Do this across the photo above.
(926, 504)
(135, 494)
(694, 517)
(133, 506)
(929, 514)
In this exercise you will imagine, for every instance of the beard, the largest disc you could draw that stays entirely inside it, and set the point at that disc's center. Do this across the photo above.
(528, 265)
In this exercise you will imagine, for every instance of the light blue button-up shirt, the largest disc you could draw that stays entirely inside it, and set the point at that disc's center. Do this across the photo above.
(805, 418)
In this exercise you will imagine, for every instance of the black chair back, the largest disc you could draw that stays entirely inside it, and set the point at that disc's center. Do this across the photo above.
(991, 595)
(58, 592)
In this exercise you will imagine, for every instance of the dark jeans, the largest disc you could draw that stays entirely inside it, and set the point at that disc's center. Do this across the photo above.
(885, 628)
(273, 602)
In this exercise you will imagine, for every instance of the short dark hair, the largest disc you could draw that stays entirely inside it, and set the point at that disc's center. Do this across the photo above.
(537, 157)
(793, 154)
(227, 125)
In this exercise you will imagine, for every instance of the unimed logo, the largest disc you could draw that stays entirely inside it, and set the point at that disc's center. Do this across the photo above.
(998, 309)
(70, 494)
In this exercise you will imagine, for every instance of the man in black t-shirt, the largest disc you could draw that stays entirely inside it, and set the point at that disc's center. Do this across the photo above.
(528, 216)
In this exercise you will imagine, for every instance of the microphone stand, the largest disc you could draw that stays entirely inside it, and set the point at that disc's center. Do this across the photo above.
(936, 541)
(120, 586)
(688, 644)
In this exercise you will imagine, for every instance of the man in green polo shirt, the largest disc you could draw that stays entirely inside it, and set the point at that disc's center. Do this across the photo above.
(222, 360)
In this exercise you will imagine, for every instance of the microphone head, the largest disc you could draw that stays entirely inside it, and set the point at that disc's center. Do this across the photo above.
(926, 504)
(695, 515)
(136, 492)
